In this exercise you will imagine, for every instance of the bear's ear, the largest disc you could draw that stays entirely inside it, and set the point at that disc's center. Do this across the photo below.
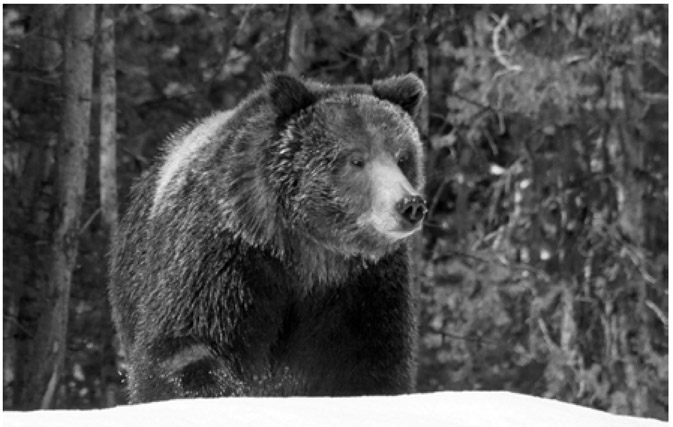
(407, 91)
(288, 94)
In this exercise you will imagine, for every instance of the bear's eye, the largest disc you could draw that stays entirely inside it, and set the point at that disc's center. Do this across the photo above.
(402, 159)
(358, 162)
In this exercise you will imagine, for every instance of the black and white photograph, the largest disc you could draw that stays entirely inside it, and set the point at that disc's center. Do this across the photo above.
(335, 215)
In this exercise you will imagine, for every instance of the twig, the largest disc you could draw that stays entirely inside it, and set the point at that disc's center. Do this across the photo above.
(26, 75)
(660, 314)
(448, 253)
(138, 157)
(545, 333)
(445, 334)
(472, 101)
(18, 325)
(89, 221)
(509, 67)
(435, 198)
(657, 66)
(637, 259)
(499, 56)
(654, 98)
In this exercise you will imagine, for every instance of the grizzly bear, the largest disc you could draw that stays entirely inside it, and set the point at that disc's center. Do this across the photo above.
(265, 253)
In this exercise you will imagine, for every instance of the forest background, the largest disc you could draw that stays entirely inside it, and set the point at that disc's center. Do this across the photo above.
(543, 265)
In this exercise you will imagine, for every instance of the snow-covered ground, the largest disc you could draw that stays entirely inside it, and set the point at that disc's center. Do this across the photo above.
(450, 409)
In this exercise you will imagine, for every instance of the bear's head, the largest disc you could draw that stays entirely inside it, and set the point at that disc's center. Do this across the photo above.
(348, 162)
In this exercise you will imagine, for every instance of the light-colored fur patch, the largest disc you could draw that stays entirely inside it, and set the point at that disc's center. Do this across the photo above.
(390, 186)
(186, 357)
(181, 154)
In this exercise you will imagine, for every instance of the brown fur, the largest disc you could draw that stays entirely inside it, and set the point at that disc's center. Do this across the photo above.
(264, 254)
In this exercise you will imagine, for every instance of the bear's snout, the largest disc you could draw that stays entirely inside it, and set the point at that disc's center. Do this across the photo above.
(412, 209)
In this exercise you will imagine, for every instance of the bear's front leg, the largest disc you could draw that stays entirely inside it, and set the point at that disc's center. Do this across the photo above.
(358, 338)
(380, 327)
(175, 369)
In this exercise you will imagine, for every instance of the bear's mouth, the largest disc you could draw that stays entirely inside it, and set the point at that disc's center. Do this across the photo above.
(390, 227)
(402, 233)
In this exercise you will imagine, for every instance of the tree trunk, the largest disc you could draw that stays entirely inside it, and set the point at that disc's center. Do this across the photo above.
(294, 56)
(71, 158)
(419, 64)
(108, 121)
(419, 59)
(632, 189)
(632, 220)
(27, 193)
(108, 169)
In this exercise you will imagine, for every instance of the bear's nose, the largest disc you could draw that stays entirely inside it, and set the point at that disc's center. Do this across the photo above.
(412, 208)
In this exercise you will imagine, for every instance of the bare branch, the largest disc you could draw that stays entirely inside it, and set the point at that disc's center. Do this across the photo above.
(449, 335)
(89, 221)
(509, 67)
(659, 312)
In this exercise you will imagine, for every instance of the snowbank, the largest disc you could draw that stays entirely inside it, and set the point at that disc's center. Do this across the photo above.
(455, 409)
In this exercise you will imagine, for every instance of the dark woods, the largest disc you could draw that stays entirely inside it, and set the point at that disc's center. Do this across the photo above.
(543, 264)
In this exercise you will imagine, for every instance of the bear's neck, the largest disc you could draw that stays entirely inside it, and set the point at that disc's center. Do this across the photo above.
(304, 259)
(315, 265)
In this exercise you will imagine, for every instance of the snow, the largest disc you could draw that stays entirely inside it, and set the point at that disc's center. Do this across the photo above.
(454, 409)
